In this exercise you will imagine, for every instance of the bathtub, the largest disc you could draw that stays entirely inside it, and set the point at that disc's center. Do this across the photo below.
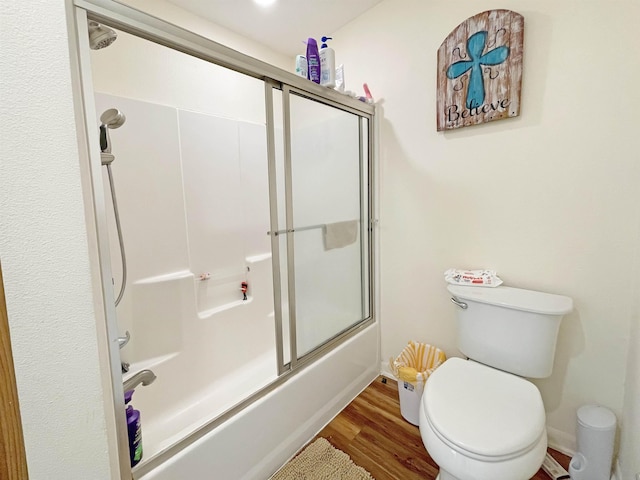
(254, 443)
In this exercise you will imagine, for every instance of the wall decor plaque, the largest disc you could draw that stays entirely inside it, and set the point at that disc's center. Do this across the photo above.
(480, 70)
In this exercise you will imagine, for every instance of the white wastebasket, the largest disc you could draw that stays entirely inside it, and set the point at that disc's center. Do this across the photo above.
(595, 435)
(410, 396)
(412, 368)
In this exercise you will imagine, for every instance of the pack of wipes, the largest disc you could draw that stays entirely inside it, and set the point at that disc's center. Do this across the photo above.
(480, 278)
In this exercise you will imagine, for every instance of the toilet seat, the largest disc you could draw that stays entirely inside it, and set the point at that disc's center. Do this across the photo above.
(483, 413)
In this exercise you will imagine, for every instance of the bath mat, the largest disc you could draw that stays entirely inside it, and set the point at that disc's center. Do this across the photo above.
(322, 461)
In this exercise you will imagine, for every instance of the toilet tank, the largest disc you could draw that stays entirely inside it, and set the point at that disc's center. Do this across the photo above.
(508, 328)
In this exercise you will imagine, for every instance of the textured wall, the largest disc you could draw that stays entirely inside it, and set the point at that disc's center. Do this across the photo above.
(43, 246)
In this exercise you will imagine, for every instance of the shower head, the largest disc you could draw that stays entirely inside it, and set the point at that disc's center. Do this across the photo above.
(100, 36)
(111, 118)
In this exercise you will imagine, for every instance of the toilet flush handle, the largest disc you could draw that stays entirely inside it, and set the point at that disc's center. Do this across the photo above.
(462, 305)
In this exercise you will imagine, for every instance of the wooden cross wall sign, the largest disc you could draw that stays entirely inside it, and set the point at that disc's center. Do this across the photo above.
(480, 70)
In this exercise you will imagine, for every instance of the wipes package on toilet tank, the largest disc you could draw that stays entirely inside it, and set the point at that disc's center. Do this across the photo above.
(480, 278)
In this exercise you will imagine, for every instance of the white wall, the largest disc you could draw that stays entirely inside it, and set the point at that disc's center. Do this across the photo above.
(550, 199)
(44, 251)
(178, 16)
(630, 442)
(139, 69)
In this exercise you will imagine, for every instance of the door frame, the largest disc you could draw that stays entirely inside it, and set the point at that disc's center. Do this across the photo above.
(13, 459)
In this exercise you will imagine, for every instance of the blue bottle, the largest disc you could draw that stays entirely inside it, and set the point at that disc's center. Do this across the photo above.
(313, 61)
(135, 430)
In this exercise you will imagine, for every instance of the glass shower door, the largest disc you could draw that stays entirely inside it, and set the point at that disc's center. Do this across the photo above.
(328, 222)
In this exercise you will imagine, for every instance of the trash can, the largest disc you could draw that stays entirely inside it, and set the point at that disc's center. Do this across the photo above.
(595, 435)
(412, 368)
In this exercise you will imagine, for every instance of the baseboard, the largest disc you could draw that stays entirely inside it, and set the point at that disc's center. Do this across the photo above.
(617, 471)
(385, 370)
(561, 441)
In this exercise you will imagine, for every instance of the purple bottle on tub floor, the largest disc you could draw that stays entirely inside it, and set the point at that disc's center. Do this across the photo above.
(135, 430)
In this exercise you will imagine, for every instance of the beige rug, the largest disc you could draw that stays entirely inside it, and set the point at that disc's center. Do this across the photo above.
(321, 461)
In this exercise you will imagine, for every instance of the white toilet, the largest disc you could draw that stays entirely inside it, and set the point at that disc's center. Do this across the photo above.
(479, 418)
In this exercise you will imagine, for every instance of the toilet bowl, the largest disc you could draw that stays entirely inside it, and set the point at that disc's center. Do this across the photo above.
(480, 423)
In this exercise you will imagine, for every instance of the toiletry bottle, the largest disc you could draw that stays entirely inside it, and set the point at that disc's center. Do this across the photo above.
(313, 60)
(301, 66)
(340, 78)
(135, 430)
(327, 64)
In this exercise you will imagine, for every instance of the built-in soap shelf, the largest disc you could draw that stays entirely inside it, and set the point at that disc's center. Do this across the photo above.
(222, 278)
(224, 307)
(258, 258)
(220, 291)
(166, 277)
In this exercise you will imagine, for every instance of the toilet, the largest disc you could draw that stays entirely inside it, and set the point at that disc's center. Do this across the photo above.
(480, 418)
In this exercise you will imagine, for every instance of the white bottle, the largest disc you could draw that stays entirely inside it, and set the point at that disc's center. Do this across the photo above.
(327, 64)
(301, 66)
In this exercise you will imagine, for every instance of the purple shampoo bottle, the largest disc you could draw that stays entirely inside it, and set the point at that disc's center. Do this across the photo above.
(313, 61)
(135, 430)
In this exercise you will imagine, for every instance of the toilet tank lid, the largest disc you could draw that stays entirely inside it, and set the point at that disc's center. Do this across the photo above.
(515, 298)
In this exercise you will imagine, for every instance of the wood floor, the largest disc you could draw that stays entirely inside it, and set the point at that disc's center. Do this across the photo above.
(376, 437)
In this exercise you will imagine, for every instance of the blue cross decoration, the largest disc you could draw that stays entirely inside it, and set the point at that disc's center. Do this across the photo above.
(475, 46)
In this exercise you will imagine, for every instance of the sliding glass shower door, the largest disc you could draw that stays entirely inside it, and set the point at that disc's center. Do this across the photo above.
(327, 220)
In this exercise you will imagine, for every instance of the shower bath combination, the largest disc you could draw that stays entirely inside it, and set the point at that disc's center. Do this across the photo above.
(214, 352)
(112, 118)
(100, 37)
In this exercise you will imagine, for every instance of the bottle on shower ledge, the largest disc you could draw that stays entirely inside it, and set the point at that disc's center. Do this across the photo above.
(313, 60)
(327, 64)
(301, 66)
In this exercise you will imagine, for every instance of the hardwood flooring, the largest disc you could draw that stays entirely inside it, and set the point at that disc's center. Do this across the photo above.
(376, 437)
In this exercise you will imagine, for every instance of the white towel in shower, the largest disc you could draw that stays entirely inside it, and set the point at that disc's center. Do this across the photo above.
(340, 234)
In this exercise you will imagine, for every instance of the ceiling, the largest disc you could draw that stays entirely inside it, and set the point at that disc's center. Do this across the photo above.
(285, 24)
